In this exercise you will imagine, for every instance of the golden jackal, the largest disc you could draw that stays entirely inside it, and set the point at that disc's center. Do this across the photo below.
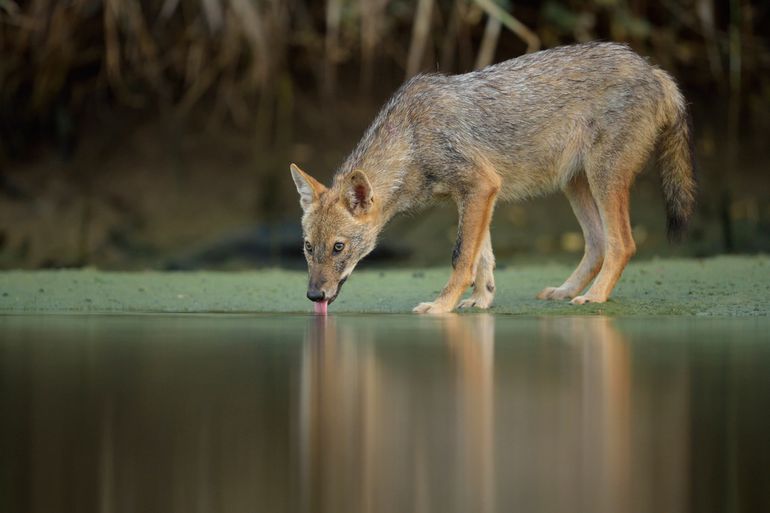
(583, 119)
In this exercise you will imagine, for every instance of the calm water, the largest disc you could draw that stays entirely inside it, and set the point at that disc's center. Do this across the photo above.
(470, 413)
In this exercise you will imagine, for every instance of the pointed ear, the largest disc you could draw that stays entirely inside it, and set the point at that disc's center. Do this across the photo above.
(358, 193)
(308, 187)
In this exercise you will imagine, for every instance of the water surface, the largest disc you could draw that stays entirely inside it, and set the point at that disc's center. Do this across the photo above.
(471, 413)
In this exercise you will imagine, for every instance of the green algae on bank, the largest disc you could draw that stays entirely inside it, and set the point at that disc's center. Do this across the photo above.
(721, 286)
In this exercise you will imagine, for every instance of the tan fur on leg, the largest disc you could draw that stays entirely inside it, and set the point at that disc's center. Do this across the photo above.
(476, 214)
(484, 282)
(584, 207)
(619, 245)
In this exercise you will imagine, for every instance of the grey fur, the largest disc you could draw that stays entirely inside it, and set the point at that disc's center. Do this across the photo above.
(535, 119)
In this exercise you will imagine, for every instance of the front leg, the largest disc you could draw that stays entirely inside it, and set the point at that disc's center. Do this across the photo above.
(475, 209)
(484, 281)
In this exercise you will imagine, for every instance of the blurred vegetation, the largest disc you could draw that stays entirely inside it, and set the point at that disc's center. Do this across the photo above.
(234, 59)
(133, 130)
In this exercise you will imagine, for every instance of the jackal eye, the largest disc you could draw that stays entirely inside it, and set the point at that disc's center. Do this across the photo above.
(308, 248)
(338, 246)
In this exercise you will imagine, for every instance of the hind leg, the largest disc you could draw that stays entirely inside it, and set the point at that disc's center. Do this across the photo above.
(612, 202)
(484, 281)
(579, 195)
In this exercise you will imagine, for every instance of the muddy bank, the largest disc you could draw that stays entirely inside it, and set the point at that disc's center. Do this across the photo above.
(721, 286)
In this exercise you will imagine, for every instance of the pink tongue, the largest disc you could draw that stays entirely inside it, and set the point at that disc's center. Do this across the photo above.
(320, 307)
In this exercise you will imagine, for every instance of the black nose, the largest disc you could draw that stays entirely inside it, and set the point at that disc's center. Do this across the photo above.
(315, 295)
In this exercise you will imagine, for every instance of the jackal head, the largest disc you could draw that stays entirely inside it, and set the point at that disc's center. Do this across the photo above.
(338, 228)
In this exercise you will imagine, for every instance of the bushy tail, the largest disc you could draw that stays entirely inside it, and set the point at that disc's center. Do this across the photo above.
(675, 158)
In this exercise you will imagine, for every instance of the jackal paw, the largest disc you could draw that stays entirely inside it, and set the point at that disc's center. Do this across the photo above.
(588, 298)
(557, 293)
(475, 301)
(431, 308)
